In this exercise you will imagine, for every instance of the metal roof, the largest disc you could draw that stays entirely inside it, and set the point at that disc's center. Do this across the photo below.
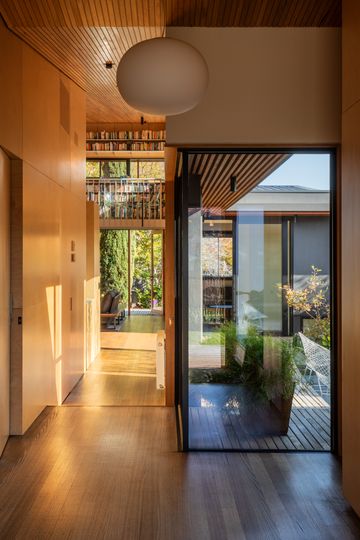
(287, 189)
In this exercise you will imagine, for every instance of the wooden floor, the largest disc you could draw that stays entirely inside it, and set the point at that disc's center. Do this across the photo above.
(137, 332)
(119, 377)
(136, 341)
(205, 356)
(309, 427)
(143, 323)
(115, 473)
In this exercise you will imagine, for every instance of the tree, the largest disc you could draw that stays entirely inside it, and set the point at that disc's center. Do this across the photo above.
(312, 300)
(114, 265)
(142, 268)
(114, 262)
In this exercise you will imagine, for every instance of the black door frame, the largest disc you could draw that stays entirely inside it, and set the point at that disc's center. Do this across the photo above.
(181, 287)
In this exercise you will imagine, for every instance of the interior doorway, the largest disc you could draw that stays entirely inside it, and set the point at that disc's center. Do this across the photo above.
(145, 277)
(130, 367)
(131, 269)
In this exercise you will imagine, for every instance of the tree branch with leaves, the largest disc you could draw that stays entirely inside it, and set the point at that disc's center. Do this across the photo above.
(312, 301)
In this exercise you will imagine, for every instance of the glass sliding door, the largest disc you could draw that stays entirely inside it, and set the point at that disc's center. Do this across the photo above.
(255, 329)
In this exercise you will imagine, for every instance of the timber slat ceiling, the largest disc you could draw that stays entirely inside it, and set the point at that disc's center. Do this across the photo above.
(209, 13)
(79, 36)
(81, 54)
(216, 170)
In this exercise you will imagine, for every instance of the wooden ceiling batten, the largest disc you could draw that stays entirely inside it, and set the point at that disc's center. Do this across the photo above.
(216, 170)
(78, 36)
(141, 13)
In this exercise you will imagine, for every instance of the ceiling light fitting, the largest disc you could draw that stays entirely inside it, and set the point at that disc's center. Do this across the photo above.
(233, 184)
(162, 76)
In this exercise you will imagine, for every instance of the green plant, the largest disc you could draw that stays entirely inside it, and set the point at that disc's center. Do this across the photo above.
(114, 262)
(230, 339)
(142, 268)
(312, 300)
(269, 368)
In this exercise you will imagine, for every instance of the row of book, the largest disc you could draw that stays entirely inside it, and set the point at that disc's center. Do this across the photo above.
(135, 134)
(116, 146)
(129, 208)
(124, 189)
(130, 213)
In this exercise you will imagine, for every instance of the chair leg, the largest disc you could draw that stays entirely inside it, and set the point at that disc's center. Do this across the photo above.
(319, 385)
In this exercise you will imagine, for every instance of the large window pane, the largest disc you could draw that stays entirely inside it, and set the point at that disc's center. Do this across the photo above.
(92, 169)
(147, 169)
(113, 169)
(259, 318)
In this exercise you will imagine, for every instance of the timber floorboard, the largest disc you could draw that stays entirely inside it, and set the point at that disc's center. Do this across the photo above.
(224, 429)
(119, 377)
(115, 473)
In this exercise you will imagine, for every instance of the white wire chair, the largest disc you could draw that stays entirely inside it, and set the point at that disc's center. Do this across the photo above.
(318, 362)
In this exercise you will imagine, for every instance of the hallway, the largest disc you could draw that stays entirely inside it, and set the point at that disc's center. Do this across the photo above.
(115, 473)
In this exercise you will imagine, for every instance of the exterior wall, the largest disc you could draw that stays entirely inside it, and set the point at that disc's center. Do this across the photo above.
(43, 126)
(4, 298)
(311, 245)
(267, 86)
(195, 278)
(350, 240)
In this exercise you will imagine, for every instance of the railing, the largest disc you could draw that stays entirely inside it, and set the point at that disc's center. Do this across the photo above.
(127, 198)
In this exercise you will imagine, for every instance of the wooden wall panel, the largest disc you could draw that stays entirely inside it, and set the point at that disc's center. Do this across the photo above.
(41, 226)
(170, 169)
(77, 140)
(350, 54)
(16, 263)
(64, 136)
(4, 298)
(73, 280)
(41, 278)
(350, 256)
(10, 92)
(350, 305)
(92, 282)
(41, 100)
(47, 131)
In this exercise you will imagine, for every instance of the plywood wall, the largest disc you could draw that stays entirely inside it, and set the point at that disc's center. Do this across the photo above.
(350, 222)
(92, 282)
(267, 86)
(169, 257)
(45, 134)
(4, 298)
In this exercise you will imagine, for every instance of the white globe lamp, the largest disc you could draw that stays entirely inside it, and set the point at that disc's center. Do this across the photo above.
(162, 76)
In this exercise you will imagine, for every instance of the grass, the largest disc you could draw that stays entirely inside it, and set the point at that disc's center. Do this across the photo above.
(212, 338)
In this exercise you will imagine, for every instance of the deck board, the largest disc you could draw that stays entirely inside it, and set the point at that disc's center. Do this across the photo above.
(309, 428)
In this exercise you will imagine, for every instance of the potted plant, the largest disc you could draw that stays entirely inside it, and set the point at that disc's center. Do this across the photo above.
(234, 351)
(269, 373)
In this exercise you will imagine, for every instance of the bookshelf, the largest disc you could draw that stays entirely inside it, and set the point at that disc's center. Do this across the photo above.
(125, 154)
(125, 142)
(125, 198)
(128, 198)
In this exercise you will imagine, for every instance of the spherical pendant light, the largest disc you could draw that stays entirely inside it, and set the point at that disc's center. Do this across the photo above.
(162, 76)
